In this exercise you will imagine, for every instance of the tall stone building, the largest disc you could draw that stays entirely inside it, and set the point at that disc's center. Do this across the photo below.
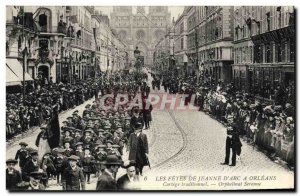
(142, 30)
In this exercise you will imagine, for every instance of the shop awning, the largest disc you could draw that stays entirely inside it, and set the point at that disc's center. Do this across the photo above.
(11, 78)
(17, 69)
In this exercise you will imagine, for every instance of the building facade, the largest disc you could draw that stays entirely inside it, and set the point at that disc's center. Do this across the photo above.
(141, 30)
(264, 49)
(43, 35)
(214, 32)
(63, 44)
(180, 43)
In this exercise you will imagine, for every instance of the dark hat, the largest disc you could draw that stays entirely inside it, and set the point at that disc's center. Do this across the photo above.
(77, 130)
(43, 127)
(112, 160)
(101, 146)
(69, 117)
(109, 141)
(60, 150)
(36, 175)
(89, 130)
(78, 143)
(64, 121)
(87, 147)
(14, 161)
(73, 157)
(67, 141)
(88, 105)
(106, 127)
(33, 152)
(128, 164)
(138, 125)
(47, 154)
(118, 131)
(23, 144)
(68, 129)
(229, 130)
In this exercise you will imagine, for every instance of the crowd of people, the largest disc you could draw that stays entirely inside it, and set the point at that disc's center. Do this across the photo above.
(38, 104)
(268, 124)
(91, 144)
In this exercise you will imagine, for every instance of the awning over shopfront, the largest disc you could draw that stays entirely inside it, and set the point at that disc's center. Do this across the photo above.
(11, 78)
(15, 66)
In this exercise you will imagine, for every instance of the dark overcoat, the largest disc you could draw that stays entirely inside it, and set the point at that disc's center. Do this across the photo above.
(138, 146)
(106, 182)
(12, 179)
(72, 179)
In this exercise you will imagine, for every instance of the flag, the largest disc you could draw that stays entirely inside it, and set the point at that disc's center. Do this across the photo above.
(52, 139)
(54, 131)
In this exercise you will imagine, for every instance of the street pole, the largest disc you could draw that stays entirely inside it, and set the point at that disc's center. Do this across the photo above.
(197, 69)
(24, 56)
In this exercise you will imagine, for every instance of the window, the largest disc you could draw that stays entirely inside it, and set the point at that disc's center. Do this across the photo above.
(280, 52)
(278, 17)
(181, 27)
(292, 50)
(268, 21)
(250, 54)
(268, 53)
(181, 44)
(257, 54)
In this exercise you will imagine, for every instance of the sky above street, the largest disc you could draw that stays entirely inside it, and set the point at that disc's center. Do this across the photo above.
(174, 10)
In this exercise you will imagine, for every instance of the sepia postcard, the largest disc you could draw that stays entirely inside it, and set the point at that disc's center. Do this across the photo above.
(150, 98)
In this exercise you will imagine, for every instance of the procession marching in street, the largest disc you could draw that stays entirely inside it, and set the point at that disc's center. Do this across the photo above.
(236, 72)
(91, 144)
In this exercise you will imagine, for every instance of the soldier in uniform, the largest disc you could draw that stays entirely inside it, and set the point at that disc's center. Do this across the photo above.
(73, 178)
(13, 176)
(22, 155)
(107, 179)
